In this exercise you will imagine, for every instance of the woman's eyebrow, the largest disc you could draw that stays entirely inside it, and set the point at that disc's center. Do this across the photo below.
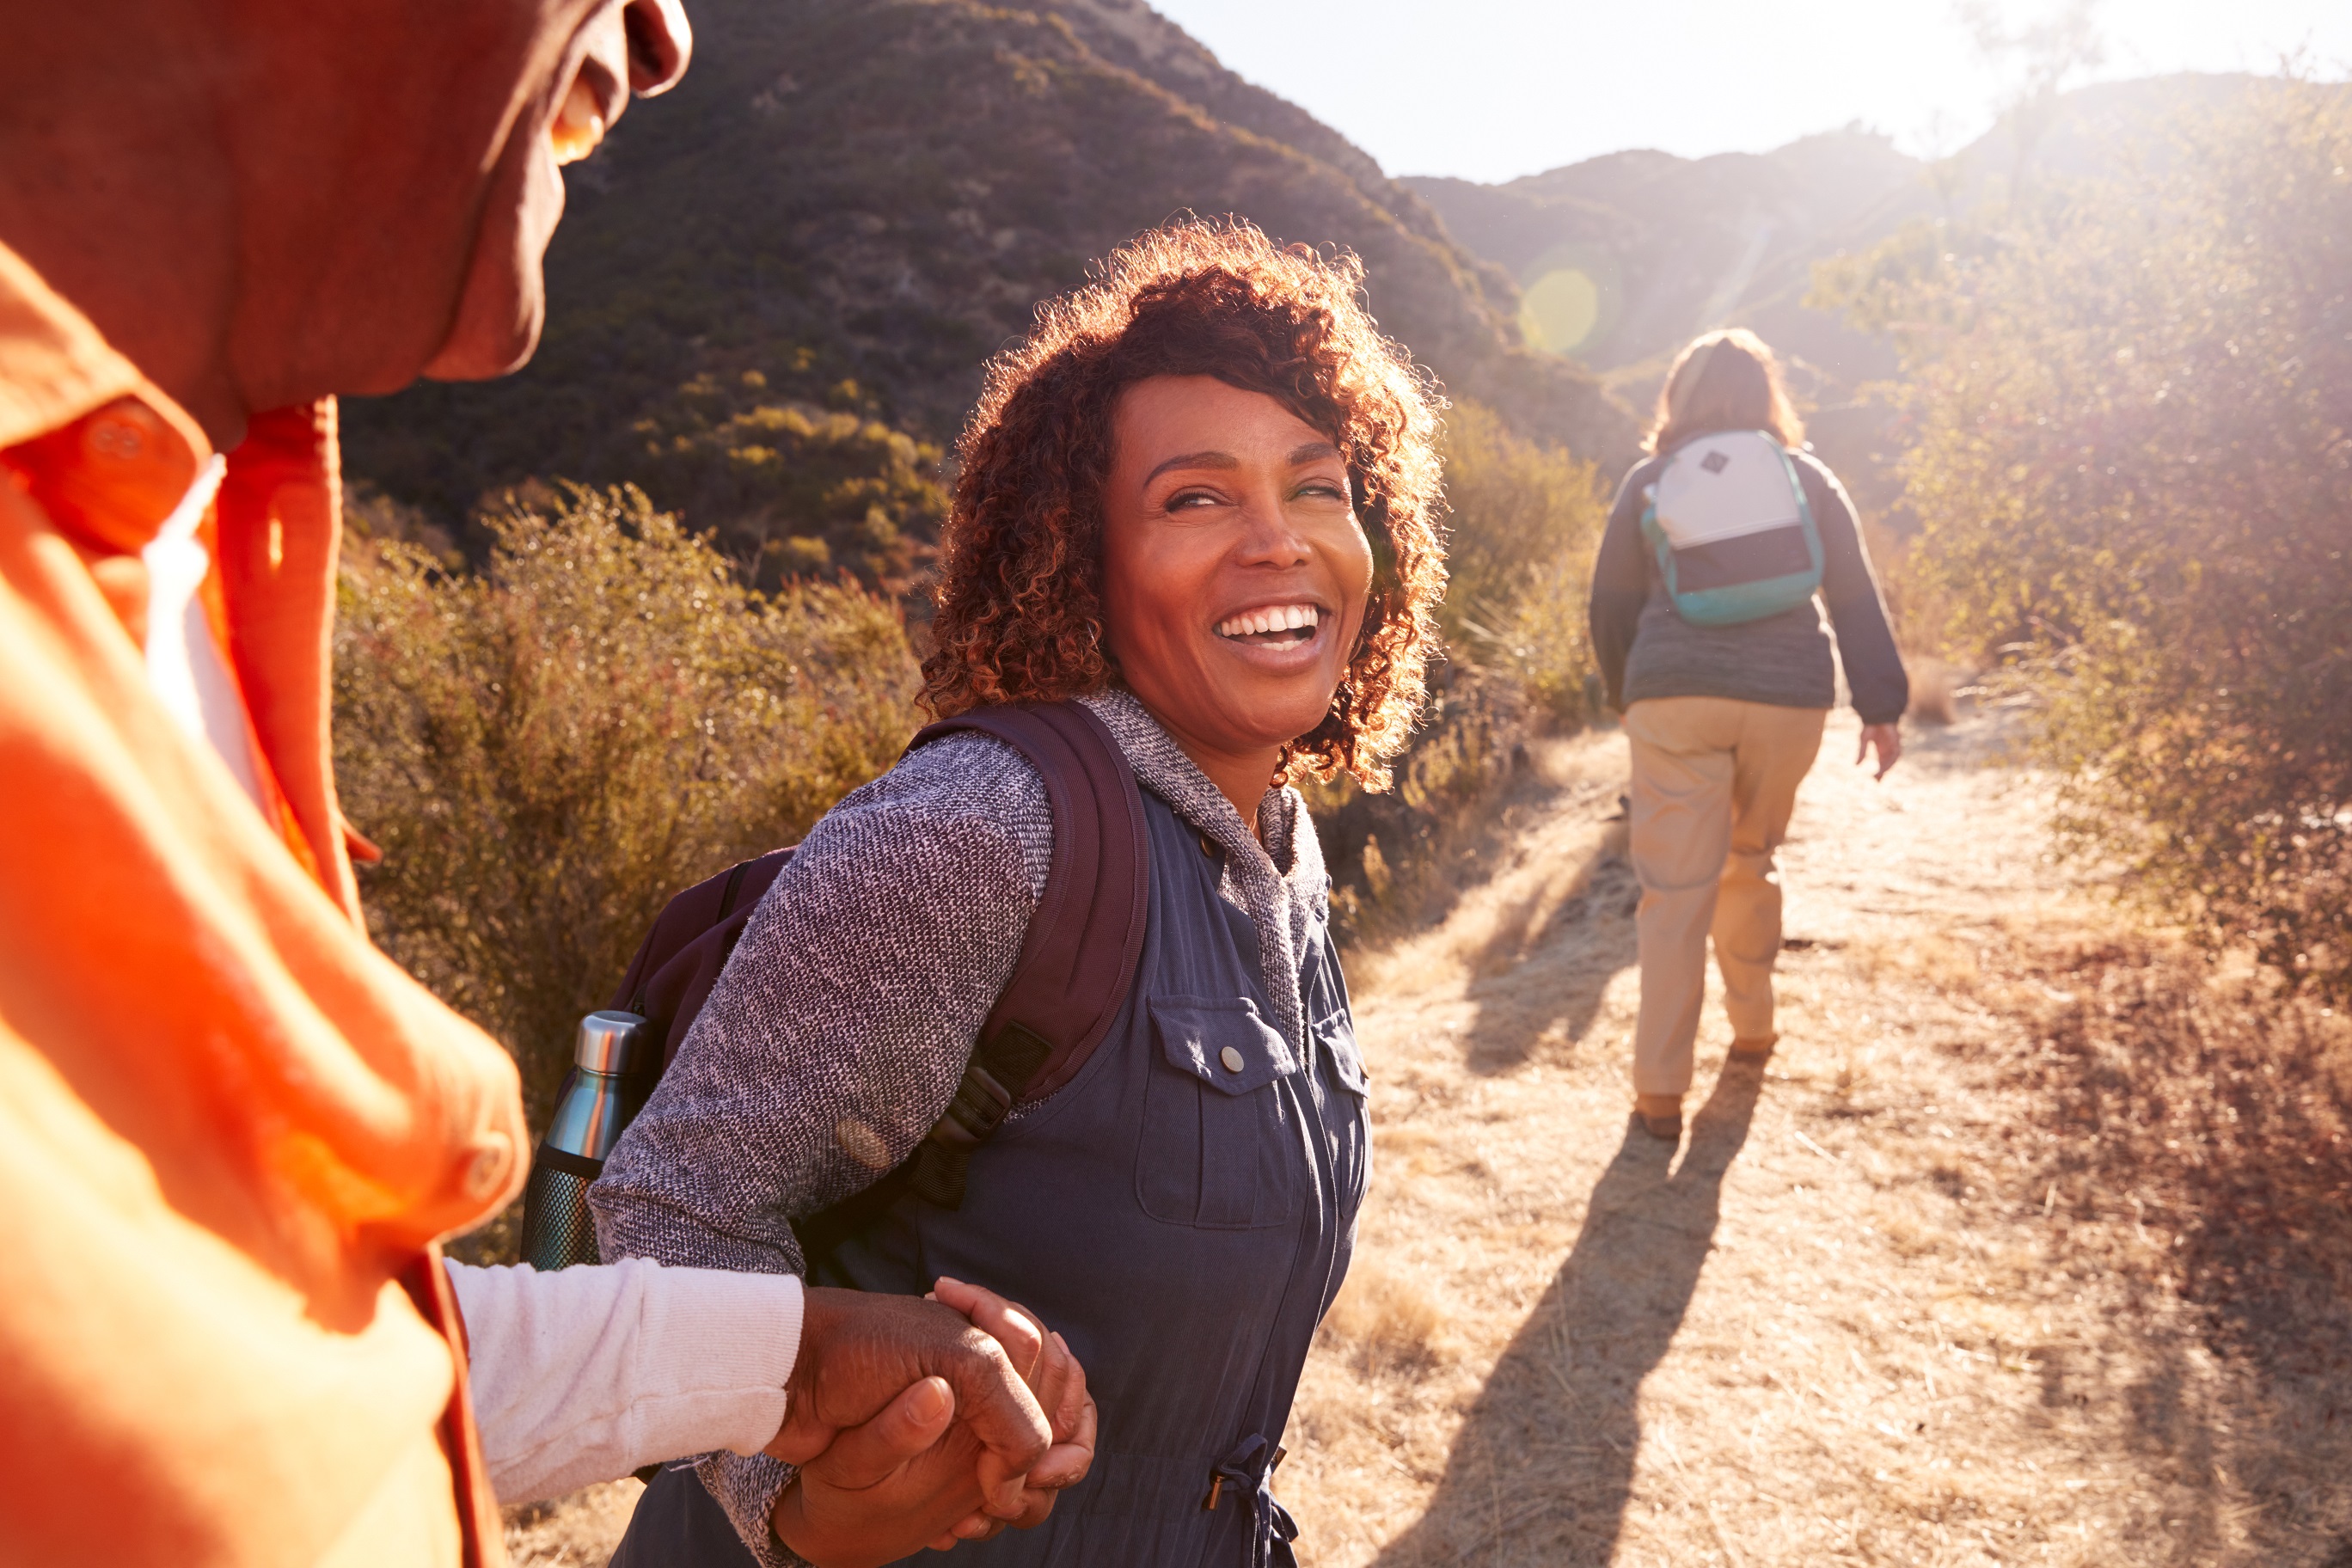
(1312, 452)
(1195, 460)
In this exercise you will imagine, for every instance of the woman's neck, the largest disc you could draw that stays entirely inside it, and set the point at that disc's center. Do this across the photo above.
(1241, 777)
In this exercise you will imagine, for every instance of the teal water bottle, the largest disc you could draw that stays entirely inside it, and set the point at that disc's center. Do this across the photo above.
(601, 1093)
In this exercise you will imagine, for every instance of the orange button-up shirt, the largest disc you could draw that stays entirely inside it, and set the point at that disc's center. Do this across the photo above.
(230, 1130)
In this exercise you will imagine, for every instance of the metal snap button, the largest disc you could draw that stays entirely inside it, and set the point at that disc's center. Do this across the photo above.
(1232, 1058)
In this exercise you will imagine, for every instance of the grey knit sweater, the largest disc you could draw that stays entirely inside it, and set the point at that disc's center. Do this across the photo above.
(840, 1027)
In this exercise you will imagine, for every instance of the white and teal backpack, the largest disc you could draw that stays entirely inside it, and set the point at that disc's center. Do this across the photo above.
(1733, 532)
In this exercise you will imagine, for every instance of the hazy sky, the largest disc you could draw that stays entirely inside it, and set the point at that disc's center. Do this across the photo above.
(1489, 89)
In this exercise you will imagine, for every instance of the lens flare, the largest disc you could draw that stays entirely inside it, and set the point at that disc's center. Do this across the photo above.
(1560, 309)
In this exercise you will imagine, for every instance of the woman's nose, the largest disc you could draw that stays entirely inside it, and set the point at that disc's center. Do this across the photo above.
(661, 41)
(1273, 536)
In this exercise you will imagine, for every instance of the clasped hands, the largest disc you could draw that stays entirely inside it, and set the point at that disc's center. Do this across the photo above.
(923, 1423)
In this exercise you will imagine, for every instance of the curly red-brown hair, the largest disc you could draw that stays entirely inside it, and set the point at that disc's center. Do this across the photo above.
(1020, 614)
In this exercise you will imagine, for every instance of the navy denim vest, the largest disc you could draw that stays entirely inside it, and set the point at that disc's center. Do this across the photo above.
(1182, 1212)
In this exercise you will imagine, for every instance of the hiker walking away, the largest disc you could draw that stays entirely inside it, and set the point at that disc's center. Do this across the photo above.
(231, 1132)
(1709, 636)
(1192, 509)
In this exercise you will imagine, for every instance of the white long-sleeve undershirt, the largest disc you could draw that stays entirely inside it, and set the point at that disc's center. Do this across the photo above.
(587, 1374)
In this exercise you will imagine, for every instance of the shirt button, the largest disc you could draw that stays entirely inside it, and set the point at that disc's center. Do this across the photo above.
(1232, 1058)
(116, 437)
(485, 1173)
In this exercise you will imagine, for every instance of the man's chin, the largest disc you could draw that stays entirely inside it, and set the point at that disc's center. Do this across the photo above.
(490, 343)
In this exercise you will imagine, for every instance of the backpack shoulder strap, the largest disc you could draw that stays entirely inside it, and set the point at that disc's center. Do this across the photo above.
(680, 959)
(1076, 966)
(1078, 959)
(1079, 955)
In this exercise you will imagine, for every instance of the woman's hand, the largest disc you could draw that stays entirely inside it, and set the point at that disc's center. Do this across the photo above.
(1060, 1383)
(1888, 739)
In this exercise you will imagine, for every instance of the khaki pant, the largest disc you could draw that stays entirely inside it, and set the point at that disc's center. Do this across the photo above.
(1714, 783)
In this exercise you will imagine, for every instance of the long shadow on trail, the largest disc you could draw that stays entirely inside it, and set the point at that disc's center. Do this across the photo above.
(1543, 1468)
(1543, 969)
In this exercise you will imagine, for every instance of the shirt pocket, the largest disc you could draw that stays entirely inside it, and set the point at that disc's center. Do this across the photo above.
(1222, 1146)
(1336, 1037)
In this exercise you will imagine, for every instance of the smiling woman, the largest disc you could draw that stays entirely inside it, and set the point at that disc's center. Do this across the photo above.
(1194, 506)
(1193, 328)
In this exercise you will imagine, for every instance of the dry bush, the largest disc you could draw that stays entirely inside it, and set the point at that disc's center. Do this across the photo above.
(1526, 520)
(794, 490)
(547, 751)
(1935, 691)
(2221, 1112)
(2131, 467)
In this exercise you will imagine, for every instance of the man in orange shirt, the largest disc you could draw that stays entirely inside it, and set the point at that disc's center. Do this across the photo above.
(231, 1132)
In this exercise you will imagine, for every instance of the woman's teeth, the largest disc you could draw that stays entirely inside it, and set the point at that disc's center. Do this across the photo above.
(1275, 624)
(579, 125)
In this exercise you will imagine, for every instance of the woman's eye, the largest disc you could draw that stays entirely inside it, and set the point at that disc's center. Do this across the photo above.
(1324, 490)
(1187, 500)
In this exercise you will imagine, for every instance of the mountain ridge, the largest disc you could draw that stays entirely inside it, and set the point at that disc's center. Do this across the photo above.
(857, 201)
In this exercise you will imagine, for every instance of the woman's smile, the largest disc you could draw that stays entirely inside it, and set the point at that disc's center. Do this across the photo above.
(1294, 628)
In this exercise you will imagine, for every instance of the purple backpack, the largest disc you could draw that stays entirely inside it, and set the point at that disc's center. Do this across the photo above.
(1075, 965)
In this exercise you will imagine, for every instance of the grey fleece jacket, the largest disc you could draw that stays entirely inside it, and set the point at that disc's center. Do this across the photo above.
(840, 1027)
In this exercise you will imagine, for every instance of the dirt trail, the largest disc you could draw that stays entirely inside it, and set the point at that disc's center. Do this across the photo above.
(1871, 1311)
(1958, 1278)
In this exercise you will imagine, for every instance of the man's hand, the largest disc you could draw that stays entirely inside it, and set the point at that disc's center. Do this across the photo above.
(1889, 741)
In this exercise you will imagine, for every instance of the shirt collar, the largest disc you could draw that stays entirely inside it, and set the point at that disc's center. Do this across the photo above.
(107, 455)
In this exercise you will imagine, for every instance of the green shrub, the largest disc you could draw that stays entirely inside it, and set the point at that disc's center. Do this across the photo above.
(794, 490)
(2131, 406)
(1527, 521)
(549, 750)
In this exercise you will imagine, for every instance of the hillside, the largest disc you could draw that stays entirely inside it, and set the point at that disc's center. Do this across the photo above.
(1622, 259)
(1623, 256)
(859, 200)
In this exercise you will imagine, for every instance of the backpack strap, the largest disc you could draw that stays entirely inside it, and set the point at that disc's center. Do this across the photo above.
(681, 957)
(1077, 962)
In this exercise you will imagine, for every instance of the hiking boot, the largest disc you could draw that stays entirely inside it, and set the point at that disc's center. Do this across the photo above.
(1756, 1049)
(1660, 1115)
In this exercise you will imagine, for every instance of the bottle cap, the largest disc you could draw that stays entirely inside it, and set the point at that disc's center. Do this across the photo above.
(612, 1043)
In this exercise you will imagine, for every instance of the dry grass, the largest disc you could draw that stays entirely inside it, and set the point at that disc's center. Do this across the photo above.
(576, 1532)
(2027, 1247)
(1936, 689)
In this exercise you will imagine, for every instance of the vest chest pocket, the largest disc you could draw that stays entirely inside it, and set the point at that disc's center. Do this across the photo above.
(1336, 1036)
(1221, 1148)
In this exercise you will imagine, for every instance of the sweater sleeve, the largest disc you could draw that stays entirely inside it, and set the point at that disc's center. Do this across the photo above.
(1873, 669)
(835, 1036)
(1620, 583)
(585, 1375)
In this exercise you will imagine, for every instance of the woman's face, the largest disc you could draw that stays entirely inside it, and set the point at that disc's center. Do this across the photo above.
(1235, 571)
